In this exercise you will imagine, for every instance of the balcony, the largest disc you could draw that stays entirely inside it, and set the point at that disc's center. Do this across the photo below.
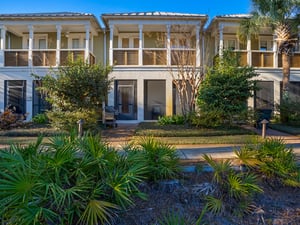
(262, 59)
(46, 58)
(153, 57)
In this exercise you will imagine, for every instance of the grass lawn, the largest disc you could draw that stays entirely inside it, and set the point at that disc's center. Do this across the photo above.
(171, 134)
(181, 134)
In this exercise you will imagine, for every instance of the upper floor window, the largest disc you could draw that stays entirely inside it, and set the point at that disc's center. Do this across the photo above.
(128, 41)
(230, 44)
(75, 43)
(266, 44)
(40, 41)
(180, 42)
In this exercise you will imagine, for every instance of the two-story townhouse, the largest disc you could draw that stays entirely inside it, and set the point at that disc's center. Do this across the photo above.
(143, 88)
(34, 43)
(260, 52)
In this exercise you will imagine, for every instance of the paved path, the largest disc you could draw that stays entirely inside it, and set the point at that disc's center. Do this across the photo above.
(120, 136)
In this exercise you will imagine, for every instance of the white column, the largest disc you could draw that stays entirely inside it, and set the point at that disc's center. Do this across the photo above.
(111, 38)
(104, 48)
(30, 45)
(168, 45)
(3, 35)
(140, 99)
(221, 41)
(277, 85)
(275, 53)
(140, 45)
(249, 54)
(87, 44)
(169, 96)
(198, 52)
(58, 44)
(2, 45)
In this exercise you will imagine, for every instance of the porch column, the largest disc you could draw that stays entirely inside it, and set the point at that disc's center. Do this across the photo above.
(221, 41)
(2, 45)
(111, 38)
(198, 52)
(140, 45)
(30, 46)
(58, 44)
(249, 54)
(169, 96)
(140, 99)
(87, 44)
(168, 45)
(104, 48)
(275, 52)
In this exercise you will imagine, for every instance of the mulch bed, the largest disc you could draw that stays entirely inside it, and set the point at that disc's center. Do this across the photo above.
(276, 206)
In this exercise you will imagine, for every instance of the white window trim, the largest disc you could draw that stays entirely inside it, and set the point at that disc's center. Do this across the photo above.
(36, 38)
(269, 41)
(131, 38)
(228, 38)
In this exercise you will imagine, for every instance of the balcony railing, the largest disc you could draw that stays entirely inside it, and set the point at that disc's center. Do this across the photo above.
(153, 56)
(126, 57)
(262, 58)
(43, 57)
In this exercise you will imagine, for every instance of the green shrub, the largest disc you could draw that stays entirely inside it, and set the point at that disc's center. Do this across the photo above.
(68, 120)
(272, 159)
(68, 181)
(40, 118)
(174, 119)
(233, 192)
(161, 159)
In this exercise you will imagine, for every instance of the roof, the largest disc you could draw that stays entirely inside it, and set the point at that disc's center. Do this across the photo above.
(49, 14)
(153, 15)
(52, 15)
(163, 14)
(228, 17)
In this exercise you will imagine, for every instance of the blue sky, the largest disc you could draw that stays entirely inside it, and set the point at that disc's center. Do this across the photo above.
(97, 7)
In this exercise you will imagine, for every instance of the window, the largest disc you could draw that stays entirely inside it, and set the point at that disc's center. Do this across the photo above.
(39, 103)
(15, 95)
(75, 43)
(266, 44)
(230, 44)
(128, 41)
(42, 43)
(125, 42)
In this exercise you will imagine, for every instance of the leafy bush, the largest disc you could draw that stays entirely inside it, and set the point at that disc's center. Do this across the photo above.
(76, 91)
(9, 119)
(289, 111)
(174, 119)
(68, 120)
(70, 180)
(225, 90)
(272, 159)
(40, 118)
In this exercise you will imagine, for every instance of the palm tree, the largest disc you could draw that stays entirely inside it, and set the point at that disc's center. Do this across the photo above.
(283, 16)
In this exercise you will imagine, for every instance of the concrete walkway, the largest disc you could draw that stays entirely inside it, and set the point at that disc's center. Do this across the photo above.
(120, 136)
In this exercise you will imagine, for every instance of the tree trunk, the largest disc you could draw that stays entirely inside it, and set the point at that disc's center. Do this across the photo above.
(286, 64)
(284, 117)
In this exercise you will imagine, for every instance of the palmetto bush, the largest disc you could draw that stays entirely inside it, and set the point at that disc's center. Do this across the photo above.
(233, 191)
(272, 159)
(68, 181)
(161, 159)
